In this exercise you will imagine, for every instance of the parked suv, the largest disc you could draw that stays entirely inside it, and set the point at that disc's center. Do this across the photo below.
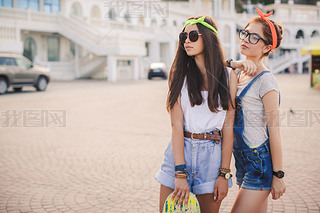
(17, 71)
(157, 70)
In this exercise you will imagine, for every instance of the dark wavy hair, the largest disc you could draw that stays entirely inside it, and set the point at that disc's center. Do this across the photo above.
(185, 66)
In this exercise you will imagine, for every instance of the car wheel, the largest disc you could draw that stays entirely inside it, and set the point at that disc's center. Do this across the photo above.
(42, 84)
(149, 77)
(17, 89)
(3, 86)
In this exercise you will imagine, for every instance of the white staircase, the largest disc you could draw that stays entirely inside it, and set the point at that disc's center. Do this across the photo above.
(283, 62)
(71, 27)
(90, 65)
(99, 39)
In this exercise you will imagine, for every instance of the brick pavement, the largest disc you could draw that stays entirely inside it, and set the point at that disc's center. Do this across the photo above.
(105, 158)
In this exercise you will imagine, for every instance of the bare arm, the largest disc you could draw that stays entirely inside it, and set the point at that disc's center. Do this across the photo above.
(271, 103)
(176, 115)
(221, 186)
(227, 129)
(247, 66)
(181, 190)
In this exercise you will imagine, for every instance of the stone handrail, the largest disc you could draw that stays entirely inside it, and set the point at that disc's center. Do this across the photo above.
(13, 13)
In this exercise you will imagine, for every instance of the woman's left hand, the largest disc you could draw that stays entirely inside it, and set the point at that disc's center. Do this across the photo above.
(278, 188)
(246, 65)
(220, 189)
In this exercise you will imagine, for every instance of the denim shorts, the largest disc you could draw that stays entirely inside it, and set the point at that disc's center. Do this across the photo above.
(203, 160)
(254, 167)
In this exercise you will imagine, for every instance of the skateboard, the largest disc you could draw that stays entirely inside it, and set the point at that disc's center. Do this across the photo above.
(192, 206)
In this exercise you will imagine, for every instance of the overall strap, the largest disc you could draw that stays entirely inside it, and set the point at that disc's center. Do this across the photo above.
(245, 90)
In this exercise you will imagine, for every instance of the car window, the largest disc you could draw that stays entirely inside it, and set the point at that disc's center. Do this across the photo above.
(23, 63)
(7, 61)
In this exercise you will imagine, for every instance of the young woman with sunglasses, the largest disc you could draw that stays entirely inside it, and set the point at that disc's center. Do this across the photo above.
(257, 146)
(200, 103)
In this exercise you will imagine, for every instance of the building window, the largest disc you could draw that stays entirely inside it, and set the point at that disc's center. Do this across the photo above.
(76, 9)
(175, 23)
(95, 12)
(6, 3)
(28, 4)
(315, 34)
(147, 44)
(153, 22)
(29, 48)
(73, 48)
(51, 6)
(127, 17)
(164, 23)
(112, 14)
(300, 34)
(53, 48)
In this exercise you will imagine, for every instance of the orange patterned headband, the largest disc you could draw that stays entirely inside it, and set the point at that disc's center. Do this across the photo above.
(272, 27)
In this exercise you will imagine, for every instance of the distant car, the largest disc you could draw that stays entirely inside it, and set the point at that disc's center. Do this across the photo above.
(157, 70)
(17, 71)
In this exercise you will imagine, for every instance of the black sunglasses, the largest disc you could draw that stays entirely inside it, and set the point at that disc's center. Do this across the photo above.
(193, 36)
(254, 38)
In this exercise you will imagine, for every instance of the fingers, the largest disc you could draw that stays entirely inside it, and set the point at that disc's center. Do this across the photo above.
(221, 195)
(276, 194)
(174, 193)
(180, 194)
(181, 198)
(215, 193)
(186, 198)
(249, 67)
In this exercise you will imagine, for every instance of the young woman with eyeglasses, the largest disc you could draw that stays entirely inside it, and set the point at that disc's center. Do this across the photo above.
(201, 106)
(257, 146)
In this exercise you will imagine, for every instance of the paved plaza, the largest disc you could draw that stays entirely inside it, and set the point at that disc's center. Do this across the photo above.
(94, 146)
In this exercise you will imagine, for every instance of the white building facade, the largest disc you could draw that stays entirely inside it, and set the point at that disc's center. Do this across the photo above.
(117, 40)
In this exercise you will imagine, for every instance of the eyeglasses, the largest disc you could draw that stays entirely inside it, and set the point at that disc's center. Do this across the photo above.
(253, 37)
(193, 36)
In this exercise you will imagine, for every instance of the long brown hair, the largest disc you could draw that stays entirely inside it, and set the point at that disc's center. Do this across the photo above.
(185, 66)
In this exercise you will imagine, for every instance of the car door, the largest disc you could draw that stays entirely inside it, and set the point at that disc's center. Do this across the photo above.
(24, 74)
(8, 67)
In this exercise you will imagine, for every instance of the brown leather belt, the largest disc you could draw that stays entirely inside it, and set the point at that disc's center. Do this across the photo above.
(215, 135)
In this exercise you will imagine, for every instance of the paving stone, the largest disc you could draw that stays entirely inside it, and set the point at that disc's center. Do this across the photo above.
(113, 144)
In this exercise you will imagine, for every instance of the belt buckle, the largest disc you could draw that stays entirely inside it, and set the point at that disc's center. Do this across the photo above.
(193, 137)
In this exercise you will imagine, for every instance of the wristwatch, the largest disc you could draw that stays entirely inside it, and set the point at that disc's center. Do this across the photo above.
(278, 174)
(229, 63)
(226, 175)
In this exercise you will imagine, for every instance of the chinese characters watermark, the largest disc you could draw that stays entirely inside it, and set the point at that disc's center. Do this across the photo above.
(33, 118)
(136, 9)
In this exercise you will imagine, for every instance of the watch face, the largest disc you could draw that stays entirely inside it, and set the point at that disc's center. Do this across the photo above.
(227, 175)
(280, 174)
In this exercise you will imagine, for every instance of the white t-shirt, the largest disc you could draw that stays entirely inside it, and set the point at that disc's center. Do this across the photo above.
(199, 118)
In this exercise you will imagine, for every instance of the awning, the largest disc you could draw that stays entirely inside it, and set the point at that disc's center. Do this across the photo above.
(312, 49)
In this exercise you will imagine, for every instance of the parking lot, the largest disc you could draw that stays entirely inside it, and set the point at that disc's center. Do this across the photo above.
(95, 146)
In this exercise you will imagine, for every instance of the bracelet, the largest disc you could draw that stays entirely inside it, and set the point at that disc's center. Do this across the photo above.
(181, 172)
(225, 170)
(181, 167)
(181, 176)
(229, 63)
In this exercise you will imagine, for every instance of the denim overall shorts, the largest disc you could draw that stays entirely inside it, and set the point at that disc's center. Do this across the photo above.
(254, 165)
